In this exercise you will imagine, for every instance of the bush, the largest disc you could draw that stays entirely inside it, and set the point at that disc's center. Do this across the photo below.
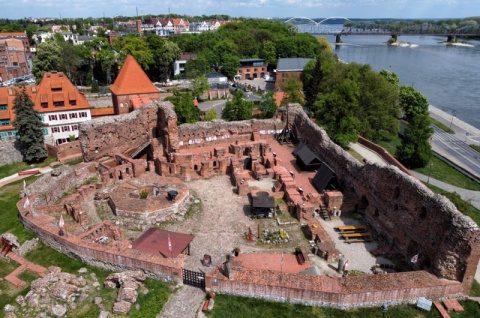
(95, 87)
(143, 194)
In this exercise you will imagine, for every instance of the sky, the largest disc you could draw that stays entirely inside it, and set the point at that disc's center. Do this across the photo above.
(401, 9)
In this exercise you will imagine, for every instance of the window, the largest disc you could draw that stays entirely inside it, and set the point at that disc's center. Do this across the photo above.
(74, 127)
(55, 130)
(45, 131)
(58, 104)
(65, 128)
(4, 107)
(4, 122)
(83, 114)
(63, 116)
(52, 117)
(73, 102)
(73, 115)
(44, 105)
(43, 118)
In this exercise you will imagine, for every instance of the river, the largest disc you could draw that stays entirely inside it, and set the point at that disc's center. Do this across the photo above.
(448, 76)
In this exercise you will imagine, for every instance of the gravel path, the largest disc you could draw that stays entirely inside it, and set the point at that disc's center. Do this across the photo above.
(185, 303)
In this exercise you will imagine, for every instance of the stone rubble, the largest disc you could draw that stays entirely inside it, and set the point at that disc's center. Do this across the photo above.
(129, 282)
(53, 295)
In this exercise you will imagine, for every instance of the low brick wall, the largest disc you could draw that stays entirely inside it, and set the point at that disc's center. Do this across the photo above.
(382, 152)
(324, 291)
(109, 257)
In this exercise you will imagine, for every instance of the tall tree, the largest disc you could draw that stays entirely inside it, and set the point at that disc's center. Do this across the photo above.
(200, 86)
(186, 111)
(415, 151)
(48, 59)
(293, 92)
(412, 102)
(238, 108)
(28, 124)
(268, 105)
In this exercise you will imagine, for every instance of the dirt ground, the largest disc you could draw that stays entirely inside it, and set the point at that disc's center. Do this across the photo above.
(223, 223)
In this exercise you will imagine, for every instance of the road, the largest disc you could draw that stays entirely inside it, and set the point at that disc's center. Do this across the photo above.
(456, 150)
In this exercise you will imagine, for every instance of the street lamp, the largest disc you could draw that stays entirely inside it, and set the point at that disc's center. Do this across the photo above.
(454, 112)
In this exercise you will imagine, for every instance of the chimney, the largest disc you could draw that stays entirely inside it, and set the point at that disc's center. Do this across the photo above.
(139, 26)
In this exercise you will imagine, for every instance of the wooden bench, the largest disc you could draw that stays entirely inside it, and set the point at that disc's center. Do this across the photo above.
(351, 235)
(357, 237)
(352, 228)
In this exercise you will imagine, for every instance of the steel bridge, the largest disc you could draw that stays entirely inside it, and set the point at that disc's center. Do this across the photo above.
(320, 28)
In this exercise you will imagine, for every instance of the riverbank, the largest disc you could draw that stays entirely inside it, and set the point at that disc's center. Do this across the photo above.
(463, 130)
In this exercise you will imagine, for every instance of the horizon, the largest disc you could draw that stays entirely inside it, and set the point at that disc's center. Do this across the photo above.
(265, 9)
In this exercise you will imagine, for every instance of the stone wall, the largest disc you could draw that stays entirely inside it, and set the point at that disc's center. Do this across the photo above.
(65, 152)
(401, 209)
(105, 136)
(324, 291)
(10, 151)
(206, 134)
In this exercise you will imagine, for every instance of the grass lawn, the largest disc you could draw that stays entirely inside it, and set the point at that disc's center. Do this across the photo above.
(442, 126)
(6, 267)
(463, 206)
(239, 307)
(437, 169)
(8, 212)
(7, 170)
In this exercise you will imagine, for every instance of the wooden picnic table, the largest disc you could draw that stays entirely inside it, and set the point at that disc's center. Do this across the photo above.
(351, 235)
(352, 228)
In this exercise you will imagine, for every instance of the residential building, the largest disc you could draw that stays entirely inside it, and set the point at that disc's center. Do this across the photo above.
(179, 65)
(17, 35)
(132, 88)
(251, 68)
(13, 59)
(289, 68)
(217, 80)
(61, 106)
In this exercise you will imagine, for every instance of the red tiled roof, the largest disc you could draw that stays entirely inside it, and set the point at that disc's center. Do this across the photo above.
(156, 241)
(132, 80)
(56, 87)
(104, 111)
(138, 101)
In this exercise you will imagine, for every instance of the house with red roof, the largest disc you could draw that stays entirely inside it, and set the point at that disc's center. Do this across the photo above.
(132, 88)
(61, 106)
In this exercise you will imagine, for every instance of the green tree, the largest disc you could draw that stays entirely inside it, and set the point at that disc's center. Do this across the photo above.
(136, 47)
(210, 114)
(186, 111)
(165, 53)
(200, 86)
(28, 124)
(390, 77)
(415, 151)
(293, 92)
(196, 68)
(95, 87)
(312, 78)
(412, 102)
(238, 108)
(48, 59)
(268, 105)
